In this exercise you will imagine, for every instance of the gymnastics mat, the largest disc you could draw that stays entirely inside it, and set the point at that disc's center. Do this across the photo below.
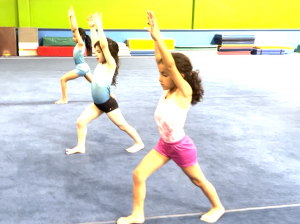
(123, 49)
(234, 37)
(58, 41)
(237, 45)
(237, 42)
(8, 46)
(28, 52)
(55, 51)
(221, 48)
(196, 48)
(142, 53)
(219, 38)
(286, 50)
(28, 41)
(234, 47)
(268, 51)
(147, 44)
(234, 53)
(235, 50)
(273, 47)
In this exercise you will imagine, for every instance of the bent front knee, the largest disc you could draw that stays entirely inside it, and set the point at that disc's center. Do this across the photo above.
(199, 182)
(138, 177)
(80, 123)
(123, 127)
(64, 79)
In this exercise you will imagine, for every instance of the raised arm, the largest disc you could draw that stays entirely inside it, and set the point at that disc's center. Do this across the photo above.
(158, 57)
(74, 27)
(103, 41)
(156, 50)
(92, 25)
(162, 51)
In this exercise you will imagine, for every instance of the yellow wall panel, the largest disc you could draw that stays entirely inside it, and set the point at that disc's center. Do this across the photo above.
(116, 14)
(247, 14)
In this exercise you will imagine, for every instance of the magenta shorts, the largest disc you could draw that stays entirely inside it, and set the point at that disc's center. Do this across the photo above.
(183, 152)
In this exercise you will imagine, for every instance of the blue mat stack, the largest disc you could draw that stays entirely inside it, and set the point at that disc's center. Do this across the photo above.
(272, 50)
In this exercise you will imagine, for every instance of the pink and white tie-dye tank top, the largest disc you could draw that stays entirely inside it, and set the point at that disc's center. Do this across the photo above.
(170, 119)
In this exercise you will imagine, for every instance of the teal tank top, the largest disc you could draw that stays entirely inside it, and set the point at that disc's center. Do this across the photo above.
(101, 84)
(78, 55)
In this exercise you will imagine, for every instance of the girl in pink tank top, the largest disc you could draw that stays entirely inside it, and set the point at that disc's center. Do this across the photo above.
(182, 87)
(170, 119)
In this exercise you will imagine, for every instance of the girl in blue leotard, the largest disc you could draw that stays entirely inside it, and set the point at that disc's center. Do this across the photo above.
(82, 68)
(104, 76)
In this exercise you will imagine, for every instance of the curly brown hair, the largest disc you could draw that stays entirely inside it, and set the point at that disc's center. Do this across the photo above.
(184, 66)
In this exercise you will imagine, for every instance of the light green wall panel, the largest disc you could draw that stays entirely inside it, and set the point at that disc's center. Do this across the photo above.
(24, 13)
(9, 13)
(116, 14)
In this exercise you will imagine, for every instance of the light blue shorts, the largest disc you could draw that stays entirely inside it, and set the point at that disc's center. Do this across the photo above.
(82, 69)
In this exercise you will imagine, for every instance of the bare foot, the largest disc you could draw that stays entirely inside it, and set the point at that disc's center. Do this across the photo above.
(135, 148)
(213, 215)
(130, 220)
(62, 101)
(75, 150)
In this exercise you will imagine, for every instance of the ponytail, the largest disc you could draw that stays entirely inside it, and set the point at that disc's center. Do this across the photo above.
(88, 42)
(88, 45)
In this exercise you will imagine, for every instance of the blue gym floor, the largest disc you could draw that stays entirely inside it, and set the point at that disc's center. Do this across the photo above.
(247, 132)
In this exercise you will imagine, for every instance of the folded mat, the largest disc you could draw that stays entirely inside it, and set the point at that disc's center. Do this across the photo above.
(221, 48)
(197, 48)
(234, 53)
(273, 47)
(55, 51)
(148, 44)
(234, 37)
(237, 45)
(268, 51)
(219, 38)
(141, 53)
(58, 41)
(227, 50)
(28, 52)
(8, 41)
(237, 42)
(28, 35)
(234, 47)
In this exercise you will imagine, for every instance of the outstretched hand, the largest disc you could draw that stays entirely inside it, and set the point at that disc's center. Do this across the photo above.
(98, 19)
(153, 29)
(91, 21)
(71, 12)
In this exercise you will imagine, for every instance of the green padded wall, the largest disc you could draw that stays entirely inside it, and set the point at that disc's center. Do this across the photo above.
(247, 14)
(116, 14)
(9, 13)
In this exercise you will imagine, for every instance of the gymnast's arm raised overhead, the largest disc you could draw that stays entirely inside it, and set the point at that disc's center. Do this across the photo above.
(163, 55)
(74, 27)
(103, 42)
